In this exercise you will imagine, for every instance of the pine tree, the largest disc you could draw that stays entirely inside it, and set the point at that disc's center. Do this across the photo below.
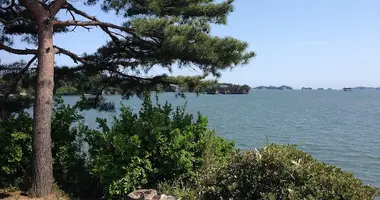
(154, 33)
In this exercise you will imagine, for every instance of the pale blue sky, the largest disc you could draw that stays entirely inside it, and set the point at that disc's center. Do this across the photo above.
(319, 43)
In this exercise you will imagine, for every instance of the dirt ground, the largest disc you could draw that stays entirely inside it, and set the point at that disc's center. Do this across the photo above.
(23, 196)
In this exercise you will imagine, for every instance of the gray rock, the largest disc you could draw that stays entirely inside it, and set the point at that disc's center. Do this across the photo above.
(148, 194)
(143, 194)
(166, 197)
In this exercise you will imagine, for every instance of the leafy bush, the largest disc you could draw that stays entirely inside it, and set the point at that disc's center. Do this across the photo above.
(70, 170)
(15, 150)
(157, 144)
(282, 172)
(66, 90)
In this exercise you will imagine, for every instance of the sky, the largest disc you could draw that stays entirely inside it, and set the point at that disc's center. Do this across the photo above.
(319, 43)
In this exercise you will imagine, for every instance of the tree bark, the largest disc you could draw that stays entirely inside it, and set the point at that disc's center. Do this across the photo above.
(42, 161)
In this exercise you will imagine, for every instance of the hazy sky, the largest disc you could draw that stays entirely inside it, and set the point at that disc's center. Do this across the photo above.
(319, 43)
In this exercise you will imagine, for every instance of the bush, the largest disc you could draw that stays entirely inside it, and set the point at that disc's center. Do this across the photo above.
(282, 172)
(15, 150)
(69, 167)
(158, 144)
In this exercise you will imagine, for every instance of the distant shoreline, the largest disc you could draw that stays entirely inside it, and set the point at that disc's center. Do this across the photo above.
(284, 87)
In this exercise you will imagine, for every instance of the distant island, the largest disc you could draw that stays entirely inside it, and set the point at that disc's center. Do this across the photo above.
(306, 88)
(228, 88)
(283, 87)
(365, 88)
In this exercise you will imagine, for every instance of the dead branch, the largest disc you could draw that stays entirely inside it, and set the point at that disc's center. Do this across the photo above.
(72, 15)
(72, 55)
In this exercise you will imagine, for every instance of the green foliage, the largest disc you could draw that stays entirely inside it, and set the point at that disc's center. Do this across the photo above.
(15, 150)
(66, 90)
(70, 168)
(229, 88)
(12, 84)
(214, 12)
(282, 172)
(157, 144)
(70, 163)
(180, 189)
(214, 157)
(97, 102)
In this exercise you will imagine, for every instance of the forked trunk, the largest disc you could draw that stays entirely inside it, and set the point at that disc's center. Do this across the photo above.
(42, 161)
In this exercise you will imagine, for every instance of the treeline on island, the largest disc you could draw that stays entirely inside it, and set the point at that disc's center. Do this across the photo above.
(184, 84)
(283, 87)
(68, 85)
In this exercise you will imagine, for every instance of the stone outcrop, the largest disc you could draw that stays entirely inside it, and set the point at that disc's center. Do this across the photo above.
(148, 194)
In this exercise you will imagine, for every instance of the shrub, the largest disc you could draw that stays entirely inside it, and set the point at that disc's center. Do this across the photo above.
(158, 144)
(182, 189)
(283, 172)
(15, 150)
(70, 170)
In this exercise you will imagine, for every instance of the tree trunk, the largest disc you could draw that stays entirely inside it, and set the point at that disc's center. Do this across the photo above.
(42, 161)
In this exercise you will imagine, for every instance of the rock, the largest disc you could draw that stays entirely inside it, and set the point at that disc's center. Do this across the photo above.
(166, 197)
(148, 194)
(143, 194)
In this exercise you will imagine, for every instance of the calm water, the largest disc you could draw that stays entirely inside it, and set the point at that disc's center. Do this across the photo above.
(340, 128)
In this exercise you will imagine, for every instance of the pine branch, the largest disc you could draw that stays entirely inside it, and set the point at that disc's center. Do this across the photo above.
(77, 59)
(91, 23)
(15, 20)
(36, 7)
(72, 55)
(55, 7)
(72, 15)
(70, 7)
(13, 3)
(18, 51)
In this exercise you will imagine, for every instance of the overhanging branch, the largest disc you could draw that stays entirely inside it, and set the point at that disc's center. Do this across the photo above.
(70, 7)
(18, 51)
(55, 7)
(75, 57)
(15, 20)
(90, 23)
